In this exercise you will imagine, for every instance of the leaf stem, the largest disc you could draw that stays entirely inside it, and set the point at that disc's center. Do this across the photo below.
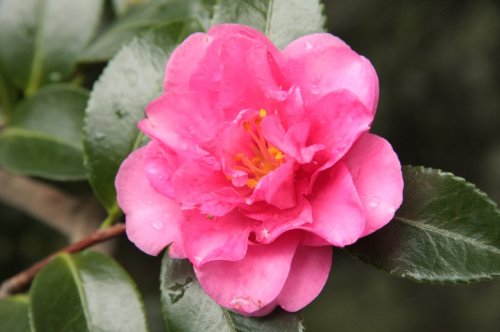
(113, 214)
(20, 281)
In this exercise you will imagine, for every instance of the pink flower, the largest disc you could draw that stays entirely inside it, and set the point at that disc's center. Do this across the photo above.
(259, 161)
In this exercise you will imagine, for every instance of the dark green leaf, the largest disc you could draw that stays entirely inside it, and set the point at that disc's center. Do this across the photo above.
(187, 308)
(85, 292)
(44, 38)
(281, 20)
(186, 16)
(44, 135)
(37, 154)
(446, 231)
(131, 80)
(14, 314)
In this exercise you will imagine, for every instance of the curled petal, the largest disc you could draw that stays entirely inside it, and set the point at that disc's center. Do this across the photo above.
(321, 63)
(337, 120)
(376, 173)
(209, 238)
(248, 285)
(276, 188)
(171, 120)
(308, 275)
(184, 61)
(278, 221)
(152, 219)
(338, 216)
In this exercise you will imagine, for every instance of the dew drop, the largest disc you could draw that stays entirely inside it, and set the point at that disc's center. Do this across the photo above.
(315, 89)
(157, 225)
(99, 135)
(373, 203)
(55, 76)
(308, 46)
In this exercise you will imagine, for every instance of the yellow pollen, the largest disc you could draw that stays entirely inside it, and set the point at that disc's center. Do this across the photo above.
(265, 158)
(252, 183)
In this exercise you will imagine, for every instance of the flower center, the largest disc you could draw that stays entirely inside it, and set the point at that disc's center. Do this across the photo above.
(264, 157)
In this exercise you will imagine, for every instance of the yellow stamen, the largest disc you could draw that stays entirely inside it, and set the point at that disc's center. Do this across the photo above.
(252, 183)
(265, 158)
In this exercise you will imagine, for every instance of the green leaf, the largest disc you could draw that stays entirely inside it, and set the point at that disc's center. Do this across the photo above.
(7, 99)
(121, 7)
(186, 16)
(281, 20)
(44, 38)
(85, 292)
(446, 231)
(187, 308)
(44, 135)
(14, 314)
(132, 79)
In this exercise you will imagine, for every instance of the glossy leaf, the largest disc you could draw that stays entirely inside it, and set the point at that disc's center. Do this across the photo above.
(44, 135)
(132, 79)
(85, 292)
(187, 308)
(446, 231)
(281, 20)
(14, 314)
(44, 38)
(185, 16)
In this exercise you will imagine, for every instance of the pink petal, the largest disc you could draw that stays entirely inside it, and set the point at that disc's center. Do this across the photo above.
(181, 122)
(208, 238)
(233, 55)
(338, 216)
(276, 188)
(198, 183)
(308, 275)
(248, 285)
(278, 221)
(152, 219)
(321, 63)
(160, 164)
(184, 61)
(376, 172)
(337, 120)
(292, 142)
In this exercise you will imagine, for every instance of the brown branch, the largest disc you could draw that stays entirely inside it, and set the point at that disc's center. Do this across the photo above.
(21, 281)
(74, 217)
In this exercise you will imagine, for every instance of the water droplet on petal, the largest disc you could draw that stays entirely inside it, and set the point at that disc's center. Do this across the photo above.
(315, 89)
(392, 209)
(373, 203)
(309, 46)
(157, 225)
(264, 233)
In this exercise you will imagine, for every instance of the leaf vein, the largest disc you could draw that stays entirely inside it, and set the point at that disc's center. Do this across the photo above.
(452, 235)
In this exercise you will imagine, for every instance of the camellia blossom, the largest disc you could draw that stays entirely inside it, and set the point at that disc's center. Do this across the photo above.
(260, 161)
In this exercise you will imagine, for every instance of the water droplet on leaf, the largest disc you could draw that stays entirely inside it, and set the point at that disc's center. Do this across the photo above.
(55, 76)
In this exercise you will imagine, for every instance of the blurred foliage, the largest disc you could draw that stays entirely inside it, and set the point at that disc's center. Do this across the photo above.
(439, 106)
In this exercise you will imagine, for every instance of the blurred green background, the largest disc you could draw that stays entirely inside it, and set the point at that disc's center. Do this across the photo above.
(439, 68)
